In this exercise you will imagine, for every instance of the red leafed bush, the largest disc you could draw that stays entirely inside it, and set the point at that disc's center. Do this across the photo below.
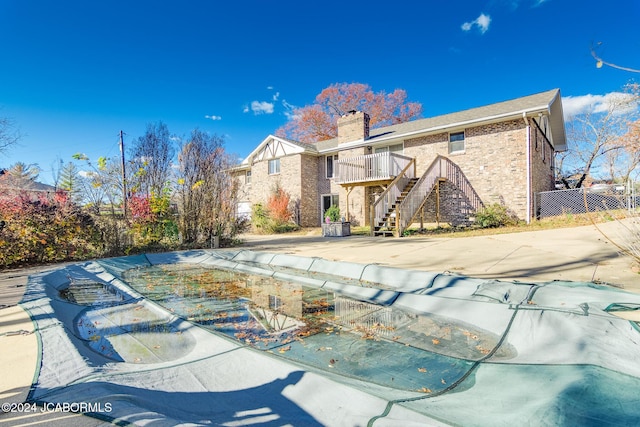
(41, 228)
(278, 206)
(140, 208)
(151, 222)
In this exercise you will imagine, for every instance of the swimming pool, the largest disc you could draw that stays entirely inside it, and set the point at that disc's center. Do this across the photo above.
(332, 343)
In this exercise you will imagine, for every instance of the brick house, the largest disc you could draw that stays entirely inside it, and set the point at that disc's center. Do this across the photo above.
(441, 169)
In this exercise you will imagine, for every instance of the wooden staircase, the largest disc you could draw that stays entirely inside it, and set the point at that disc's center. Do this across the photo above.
(387, 226)
(399, 204)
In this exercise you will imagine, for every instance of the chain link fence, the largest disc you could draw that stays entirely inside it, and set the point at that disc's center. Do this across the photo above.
(591, 199)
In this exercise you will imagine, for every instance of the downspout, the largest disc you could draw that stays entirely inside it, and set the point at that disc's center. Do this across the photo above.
(526, 121)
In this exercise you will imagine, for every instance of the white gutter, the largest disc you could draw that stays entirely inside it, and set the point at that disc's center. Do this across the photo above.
(526, 121)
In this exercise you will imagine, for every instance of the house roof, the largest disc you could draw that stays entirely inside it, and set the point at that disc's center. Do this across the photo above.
(275, 146)
(546, 103)
(9, 184)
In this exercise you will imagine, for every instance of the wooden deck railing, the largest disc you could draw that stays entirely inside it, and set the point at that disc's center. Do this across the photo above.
(370, 167)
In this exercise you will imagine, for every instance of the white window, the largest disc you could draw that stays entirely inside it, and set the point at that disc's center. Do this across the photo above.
(331, 165)
(247, 177)
(275, 302)
(456, 142)
(274, 166)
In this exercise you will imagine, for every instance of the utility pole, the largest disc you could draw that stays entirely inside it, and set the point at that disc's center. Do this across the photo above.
(124, 178)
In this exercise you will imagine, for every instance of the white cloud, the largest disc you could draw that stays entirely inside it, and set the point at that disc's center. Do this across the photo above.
(214, 118)
(270, 87)
(261, 107)
(575, 105)
(515, 4)
(276, 96)
(245, 109)
(482, 22)
(288, 110)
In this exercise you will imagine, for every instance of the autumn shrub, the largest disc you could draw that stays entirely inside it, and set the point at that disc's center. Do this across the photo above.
(278, 206)
(260, 218)
(495, 215)
(151, 222)
(42, 229)
(276, 216)
(116, 236)
(280, 212)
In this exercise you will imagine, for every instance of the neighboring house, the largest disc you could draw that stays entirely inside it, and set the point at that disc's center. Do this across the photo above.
(441, 169)
(13, 186)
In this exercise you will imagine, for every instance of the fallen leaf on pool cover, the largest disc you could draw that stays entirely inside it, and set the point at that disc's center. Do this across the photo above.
(284, 349)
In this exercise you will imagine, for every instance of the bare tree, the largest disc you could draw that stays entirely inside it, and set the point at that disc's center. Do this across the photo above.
(206, 193)
(103, 182)
(596, 137)
(151, 156)
(610, 141)
(622, 164)
(9, 134)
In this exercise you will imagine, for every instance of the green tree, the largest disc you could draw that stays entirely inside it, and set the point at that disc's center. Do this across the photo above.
(70, 181)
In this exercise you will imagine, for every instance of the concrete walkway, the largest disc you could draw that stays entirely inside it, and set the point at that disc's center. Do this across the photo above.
(573, 254)
(19, 357)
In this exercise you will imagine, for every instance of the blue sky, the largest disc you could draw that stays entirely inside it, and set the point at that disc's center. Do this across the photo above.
(74, 73)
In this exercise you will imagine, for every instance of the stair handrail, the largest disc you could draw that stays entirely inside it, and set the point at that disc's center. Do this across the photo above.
(441, 167)
(459, 179)
(420, 191)
(391, 194)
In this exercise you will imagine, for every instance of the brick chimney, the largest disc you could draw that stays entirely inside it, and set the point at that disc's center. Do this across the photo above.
(353, 126)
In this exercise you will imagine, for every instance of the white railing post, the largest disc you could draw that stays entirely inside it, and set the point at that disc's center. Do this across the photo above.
(370, 167)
